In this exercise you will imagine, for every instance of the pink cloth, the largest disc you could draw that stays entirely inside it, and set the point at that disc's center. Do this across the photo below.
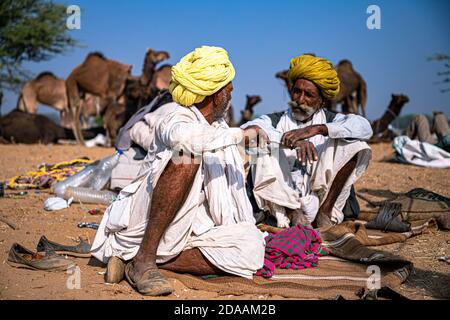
(295, 248)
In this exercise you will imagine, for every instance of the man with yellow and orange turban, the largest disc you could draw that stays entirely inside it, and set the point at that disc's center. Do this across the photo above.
(188, 210)
(316, 155)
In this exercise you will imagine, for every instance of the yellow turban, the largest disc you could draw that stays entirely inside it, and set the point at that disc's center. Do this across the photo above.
(199, 74)
(318, 70)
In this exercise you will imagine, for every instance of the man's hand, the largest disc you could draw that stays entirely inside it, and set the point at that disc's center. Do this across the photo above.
(255, 136)
(306, 149)
(290, 138)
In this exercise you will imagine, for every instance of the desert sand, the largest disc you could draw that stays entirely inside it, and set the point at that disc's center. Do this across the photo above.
(431, 279)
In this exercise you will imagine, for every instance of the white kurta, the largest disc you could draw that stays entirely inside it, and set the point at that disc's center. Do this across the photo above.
(216, 217)
(279, 179)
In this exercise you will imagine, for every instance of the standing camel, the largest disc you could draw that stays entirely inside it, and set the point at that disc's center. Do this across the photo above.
(99, 76)
(353, 89)
(47, 89)
(139, 91)
(50, 90)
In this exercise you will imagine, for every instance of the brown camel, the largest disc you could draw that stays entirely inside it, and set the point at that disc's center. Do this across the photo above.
(282, 75)
(47, 89)
(162, 77)
(353, 92)
(99, 76)
(139, 91)
(50, 90)
(380, 126)
(246, 114)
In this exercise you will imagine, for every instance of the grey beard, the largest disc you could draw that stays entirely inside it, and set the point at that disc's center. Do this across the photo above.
(225, 111)
(307, 110)
(227, 108)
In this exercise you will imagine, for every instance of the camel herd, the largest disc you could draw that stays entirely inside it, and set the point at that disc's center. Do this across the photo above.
(97, 87)
(105, 88)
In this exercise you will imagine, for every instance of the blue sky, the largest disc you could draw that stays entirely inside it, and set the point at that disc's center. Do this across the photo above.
(262, 36)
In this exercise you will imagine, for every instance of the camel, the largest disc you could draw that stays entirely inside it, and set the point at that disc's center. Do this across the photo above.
(47, 89)
(162, 77)
(22, 127)
(99, 76)
(50, 90)
(282, 75)
(139, 91)
(380, 126)
(246, 114)
(353, 91)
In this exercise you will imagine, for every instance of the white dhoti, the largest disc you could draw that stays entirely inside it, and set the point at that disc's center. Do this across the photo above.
(279, 182)
(216, 217)
(274, 184)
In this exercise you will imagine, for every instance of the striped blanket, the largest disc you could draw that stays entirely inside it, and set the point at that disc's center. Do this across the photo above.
(349, 269)
(353, 264)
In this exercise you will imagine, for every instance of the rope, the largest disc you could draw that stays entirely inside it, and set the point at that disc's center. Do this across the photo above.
(45, 175)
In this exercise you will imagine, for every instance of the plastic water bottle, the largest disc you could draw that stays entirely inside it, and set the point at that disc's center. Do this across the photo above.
(102, 173)
(79, 179)
(87, 195)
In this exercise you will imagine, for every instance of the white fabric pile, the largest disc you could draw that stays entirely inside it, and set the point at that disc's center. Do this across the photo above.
(420, 153)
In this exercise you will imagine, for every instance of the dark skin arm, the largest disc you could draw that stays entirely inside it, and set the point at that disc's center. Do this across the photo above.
(293, 136)
(296, 139)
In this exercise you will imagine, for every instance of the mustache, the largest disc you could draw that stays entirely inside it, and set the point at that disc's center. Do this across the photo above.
(293, 104)
(303, 107)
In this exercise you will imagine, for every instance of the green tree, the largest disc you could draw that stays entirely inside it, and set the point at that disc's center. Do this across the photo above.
(446, 72)
(30, 30)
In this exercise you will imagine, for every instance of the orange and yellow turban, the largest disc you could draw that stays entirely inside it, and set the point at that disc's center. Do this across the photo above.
(318, 70)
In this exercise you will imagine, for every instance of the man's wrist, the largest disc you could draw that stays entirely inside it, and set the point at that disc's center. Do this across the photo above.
(322, 129)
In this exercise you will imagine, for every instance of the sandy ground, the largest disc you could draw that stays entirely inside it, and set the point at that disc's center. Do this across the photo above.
(431, 279)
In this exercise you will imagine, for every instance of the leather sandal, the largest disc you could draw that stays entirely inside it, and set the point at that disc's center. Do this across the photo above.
(21, 257)
(389, 219)
(152, 282)
(82, 250)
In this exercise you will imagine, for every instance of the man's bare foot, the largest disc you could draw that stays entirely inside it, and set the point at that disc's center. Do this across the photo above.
(297, 217)
(149, 282)
(322, 220)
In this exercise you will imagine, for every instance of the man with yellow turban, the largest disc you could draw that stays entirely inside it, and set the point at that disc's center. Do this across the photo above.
(316, 155)
(188, 210)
